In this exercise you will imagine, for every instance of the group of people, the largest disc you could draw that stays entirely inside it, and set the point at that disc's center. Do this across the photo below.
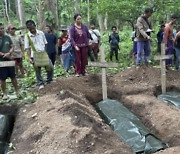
(75, 42)
(41, 50)
(171, 40)
(142, 39)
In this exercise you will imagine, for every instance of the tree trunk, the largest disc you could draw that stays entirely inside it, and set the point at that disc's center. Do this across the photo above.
(117, 23)
(6, 12)
(106, 21)
(101, 22)
(77, 6)
(88, 13)
(52, 6)
(100, 19)
(41, 20)
(20, 12)
(51, 9)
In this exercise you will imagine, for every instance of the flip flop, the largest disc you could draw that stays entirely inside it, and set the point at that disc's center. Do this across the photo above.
(5, 97)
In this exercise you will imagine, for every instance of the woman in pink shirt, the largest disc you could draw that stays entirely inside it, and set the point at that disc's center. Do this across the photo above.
(79, 36)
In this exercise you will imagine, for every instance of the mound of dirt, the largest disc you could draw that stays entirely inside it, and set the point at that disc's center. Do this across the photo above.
(64, 120)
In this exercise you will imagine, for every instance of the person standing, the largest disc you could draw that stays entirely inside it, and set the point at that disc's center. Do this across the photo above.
(6, 49)
(143, 29)
(134, 50)
(79, 36)
(62, 39)
(38, 39)
(177, 49)
(96, 37)
(160, 37)
(51, 45)
(18, 53)
(168, 39)
(114, 40)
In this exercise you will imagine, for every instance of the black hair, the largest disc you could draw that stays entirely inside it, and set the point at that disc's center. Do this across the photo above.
(76, 15)
(114, 27)
(148, 10)
(1, 24)
(50, 27)
(174, 16)
(162, 26)
(30, 23)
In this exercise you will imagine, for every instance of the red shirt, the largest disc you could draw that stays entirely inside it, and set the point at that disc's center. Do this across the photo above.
(168, 33)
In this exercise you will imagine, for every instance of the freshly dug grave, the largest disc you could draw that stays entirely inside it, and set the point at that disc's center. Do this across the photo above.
(64, 121)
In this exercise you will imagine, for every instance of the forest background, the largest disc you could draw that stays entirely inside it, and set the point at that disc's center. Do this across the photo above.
(104, 13)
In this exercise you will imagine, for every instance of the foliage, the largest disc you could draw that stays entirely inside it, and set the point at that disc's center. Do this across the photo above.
(122, 12)
(49, 17)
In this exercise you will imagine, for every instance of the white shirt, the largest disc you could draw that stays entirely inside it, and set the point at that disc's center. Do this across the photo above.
(94, 34)
(39, 41)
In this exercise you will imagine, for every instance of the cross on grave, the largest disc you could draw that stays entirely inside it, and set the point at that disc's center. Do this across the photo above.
(103, 65)
(162, 59)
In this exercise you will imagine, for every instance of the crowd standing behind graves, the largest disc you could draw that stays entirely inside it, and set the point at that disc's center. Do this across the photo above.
(74, 46)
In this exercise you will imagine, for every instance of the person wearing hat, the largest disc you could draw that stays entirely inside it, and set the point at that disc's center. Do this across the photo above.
(168, 39)
(18, 53)
(7, 68)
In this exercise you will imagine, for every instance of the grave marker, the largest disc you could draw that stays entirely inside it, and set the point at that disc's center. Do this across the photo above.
(103, 64)
(162, 59)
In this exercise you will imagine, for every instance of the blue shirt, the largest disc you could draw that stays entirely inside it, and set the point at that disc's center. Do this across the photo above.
(51, 45)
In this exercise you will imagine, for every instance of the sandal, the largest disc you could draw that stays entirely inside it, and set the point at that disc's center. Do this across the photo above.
(5, 97)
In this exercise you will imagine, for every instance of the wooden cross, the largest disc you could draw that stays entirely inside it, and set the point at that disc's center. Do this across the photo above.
(103, 64)
(162, 59)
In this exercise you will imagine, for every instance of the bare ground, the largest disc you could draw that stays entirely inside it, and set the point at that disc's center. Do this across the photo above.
(64, 120)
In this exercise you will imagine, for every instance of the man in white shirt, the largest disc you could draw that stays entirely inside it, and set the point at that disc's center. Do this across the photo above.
(95, 35)
(38, 39)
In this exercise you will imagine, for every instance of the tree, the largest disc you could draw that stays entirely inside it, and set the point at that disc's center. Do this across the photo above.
(48, 13)
(20, 11)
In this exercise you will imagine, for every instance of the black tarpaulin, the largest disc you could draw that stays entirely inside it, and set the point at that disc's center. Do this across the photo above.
(128, 127)
(171, 97)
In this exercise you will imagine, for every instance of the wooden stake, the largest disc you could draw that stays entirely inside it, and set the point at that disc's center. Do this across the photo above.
(162, 59)
(103, 64)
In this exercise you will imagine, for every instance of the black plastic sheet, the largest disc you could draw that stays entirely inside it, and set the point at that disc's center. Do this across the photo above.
(4, 127)
(6, 123)
(171, 97)
(3, 147)
(128, 127)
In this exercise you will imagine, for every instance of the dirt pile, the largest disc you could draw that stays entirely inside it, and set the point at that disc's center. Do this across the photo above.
(64, 120)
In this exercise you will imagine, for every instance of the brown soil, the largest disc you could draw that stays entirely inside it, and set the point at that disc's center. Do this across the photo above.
(64, 121)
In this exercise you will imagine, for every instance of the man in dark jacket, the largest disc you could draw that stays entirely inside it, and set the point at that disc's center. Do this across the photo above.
(114, 43)
(144, 27)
